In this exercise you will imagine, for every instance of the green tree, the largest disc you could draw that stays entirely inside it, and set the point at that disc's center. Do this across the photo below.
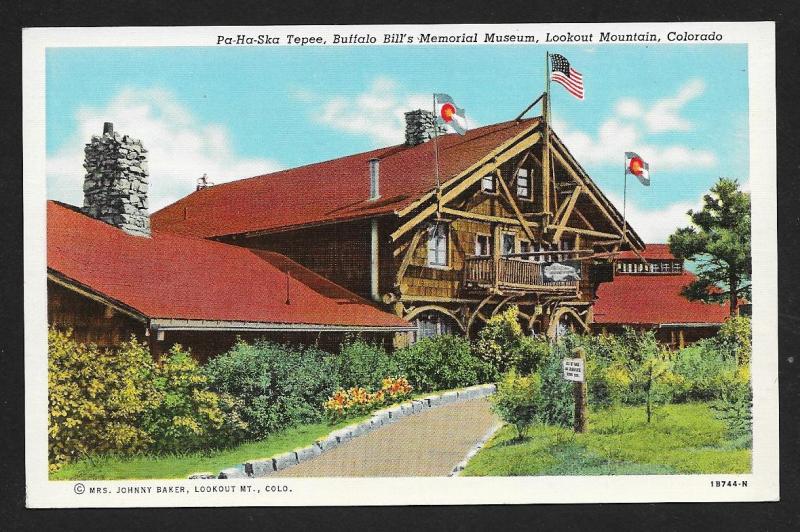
(719, 242)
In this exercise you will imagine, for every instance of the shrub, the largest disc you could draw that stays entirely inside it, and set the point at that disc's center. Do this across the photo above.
(360, 363)
(96, 398)
(442, 362)
(702, 368)
(735, 339)
(531, 352)
(188, 415)
(517, 399)
(499, 341)
(277, 385)
(556, 404)
(735, 406)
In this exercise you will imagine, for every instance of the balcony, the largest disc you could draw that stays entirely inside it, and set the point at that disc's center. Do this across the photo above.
(515, 274)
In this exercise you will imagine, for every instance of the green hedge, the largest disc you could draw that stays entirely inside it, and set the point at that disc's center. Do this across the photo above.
(277, 385)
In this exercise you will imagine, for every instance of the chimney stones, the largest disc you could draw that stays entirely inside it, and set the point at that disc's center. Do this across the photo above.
(115, 187)
(420, 127)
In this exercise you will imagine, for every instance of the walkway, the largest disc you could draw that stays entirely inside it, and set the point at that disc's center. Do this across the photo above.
(427, 444)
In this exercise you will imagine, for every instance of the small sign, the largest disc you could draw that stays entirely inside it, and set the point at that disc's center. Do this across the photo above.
(558, 272)
(573, 369)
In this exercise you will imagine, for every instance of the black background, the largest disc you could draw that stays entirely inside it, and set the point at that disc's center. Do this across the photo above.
(710, 517)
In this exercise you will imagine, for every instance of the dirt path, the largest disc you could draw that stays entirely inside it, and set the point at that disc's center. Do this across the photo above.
(427, 444)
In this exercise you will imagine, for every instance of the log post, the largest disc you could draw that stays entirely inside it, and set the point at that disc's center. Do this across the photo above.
(580, 394)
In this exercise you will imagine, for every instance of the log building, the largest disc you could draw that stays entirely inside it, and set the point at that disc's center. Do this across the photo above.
(443, 233)
(646, 295)
(110, 275)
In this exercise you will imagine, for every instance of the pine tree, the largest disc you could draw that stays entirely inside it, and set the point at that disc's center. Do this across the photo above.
(719, 243)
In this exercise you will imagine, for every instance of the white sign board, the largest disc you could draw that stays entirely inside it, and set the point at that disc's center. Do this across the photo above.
(573, 369)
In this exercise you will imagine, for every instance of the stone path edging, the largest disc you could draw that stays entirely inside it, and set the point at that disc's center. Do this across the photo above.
(472, 452)
(384, 416)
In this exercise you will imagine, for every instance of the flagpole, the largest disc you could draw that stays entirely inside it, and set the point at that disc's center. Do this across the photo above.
(546, 166)
(436, 157)
(624, 197)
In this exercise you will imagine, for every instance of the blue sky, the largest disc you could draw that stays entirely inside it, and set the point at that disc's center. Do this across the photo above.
(236, 112)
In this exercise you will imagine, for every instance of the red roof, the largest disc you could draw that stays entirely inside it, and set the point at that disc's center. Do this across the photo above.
(331, 190)
(179, 277)
(651, 252)
(653, 299)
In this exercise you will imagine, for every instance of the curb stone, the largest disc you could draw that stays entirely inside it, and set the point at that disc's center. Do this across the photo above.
(385, 416)
(472, 452)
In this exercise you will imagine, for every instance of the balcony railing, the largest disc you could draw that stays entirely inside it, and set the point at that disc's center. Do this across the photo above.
(482, 272)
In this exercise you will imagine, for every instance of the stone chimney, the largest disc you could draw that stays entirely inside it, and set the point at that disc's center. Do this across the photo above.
(420, 127)
(115, 187)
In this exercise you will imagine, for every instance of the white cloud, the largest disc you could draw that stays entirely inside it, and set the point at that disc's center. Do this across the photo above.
(628, 130)
(378, 112)
(655, 225)
(663, 115)
(181, 147)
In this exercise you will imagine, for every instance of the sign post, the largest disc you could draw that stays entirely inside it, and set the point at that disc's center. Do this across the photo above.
(574, 370)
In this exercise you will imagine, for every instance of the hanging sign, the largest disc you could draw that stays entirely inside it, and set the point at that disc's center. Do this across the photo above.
(567, 270)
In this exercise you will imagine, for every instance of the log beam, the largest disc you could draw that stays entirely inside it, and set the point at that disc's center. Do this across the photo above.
(466, 182)
(562, 223)
(514, 206)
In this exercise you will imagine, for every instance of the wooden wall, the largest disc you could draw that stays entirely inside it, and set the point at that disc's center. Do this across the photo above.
(340, 252)
(90, 321)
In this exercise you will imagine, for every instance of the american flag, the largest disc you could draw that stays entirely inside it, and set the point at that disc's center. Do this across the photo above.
(562, 73)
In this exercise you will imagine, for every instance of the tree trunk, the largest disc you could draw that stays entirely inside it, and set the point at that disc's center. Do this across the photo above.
(733, 295)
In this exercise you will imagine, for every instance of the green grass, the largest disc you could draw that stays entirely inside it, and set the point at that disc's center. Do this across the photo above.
(181, 466)
(681, 439)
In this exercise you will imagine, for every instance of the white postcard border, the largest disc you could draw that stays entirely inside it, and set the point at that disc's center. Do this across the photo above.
(762, 482)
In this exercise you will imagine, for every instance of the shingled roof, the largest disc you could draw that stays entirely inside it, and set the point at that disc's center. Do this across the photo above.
(171, 276)
(653, 299)
(332, 190)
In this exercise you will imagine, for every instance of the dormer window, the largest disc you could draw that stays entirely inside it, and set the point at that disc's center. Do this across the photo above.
(487, 183)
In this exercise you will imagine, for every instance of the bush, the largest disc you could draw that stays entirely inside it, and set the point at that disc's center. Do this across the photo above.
(556, 404)
(278, 386)
(735, 339)
(96, 398)
(442, 362)
(702, 368)
(517, 399)
(499, 341)
(362, 364)
(187, 416)
(531, 352)
(735, 406)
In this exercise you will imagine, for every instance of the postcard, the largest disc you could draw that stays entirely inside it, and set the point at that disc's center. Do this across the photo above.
(401, 264)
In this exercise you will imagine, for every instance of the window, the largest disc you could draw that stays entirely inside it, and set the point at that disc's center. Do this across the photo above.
(483, 245)
(509, 243)
(430, 325)
(565, 245)
(676, 267)
(655, 267)
(523, 183)
(487, 183)
(536, 247)
(437, 244)
(525, 247)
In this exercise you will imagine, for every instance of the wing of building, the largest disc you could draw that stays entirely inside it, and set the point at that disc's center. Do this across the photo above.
(646, 294)
(512, 219)
(107, 284)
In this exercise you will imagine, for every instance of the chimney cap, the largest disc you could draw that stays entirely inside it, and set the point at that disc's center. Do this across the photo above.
(108, 128)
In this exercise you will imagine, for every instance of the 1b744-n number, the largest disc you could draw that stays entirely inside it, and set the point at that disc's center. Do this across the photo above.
(728, 483)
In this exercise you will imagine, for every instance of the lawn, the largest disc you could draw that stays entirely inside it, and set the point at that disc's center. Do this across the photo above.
(681, 439)
(181, 466)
